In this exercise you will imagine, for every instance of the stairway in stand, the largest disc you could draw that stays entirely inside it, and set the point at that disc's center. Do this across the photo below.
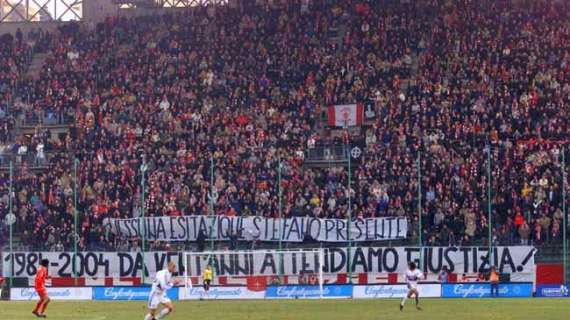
(36, 66)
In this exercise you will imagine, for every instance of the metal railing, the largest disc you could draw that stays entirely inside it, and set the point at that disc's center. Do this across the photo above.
(29, 159)
(327, 153)
(46, 118)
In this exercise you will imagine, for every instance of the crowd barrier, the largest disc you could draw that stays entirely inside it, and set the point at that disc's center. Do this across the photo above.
(394, 291)
(332, 291)
(23, 294)
(483, 290)
(309, 292)
(553, 291)
(129, 293)
(220, 293)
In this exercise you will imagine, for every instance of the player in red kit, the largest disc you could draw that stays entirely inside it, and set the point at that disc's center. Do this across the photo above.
(40, 286)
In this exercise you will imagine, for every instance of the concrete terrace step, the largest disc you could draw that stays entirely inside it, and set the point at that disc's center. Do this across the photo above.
(36, 65)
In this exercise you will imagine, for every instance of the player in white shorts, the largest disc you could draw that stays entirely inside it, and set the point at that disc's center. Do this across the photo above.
(412, 277)
(162, 282)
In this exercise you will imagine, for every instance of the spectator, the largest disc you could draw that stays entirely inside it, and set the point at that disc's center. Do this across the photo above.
(494, 280)
(201, 241)
(524, 233)
(443, 275)
(233, 240)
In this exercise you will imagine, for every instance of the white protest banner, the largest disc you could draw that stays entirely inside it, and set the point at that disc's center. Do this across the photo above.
(296, 229)
(517, 261)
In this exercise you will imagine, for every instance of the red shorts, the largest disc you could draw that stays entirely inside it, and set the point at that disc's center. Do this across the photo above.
(42, 292)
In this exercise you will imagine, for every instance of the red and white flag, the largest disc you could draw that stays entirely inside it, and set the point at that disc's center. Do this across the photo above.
(342, 115)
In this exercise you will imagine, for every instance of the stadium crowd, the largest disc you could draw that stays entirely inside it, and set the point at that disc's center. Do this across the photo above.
(14, 56)
(245, 89)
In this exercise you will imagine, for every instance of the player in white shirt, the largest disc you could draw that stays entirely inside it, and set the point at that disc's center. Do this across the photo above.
(162, 282)
(412, 277)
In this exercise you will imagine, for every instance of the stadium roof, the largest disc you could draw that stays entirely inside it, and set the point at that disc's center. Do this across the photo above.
(68, 10)
(169, 3)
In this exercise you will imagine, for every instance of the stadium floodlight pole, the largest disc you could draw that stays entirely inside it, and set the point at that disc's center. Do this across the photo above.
(489, 205)
(11, 224)
(143, 168)
(75, 218)
(213, 197)
(420, 227)
(280, 195)
(564, 218)
(349, 216)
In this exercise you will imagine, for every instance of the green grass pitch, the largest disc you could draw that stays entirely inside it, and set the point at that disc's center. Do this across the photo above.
(456, 309)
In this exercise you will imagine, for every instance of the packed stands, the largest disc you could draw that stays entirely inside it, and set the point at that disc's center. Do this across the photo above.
(250, 88)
